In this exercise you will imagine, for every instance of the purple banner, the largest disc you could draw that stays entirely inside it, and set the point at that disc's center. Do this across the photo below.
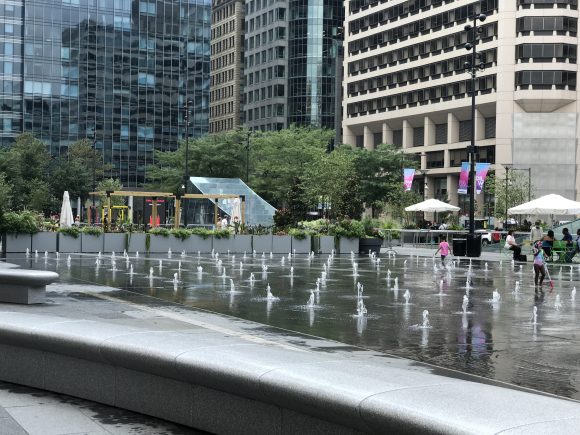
(463, 178)
(408, 175)
(480, 175)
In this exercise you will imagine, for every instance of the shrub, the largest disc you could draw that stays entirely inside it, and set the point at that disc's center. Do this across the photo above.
(200, 231)
(298, 233)
(160, 232)
(180, 233)
(70, 231)
(349, 228)
(221, 234)
(92, 231)
(25, 222)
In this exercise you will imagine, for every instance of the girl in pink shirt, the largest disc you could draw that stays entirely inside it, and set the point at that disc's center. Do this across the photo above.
(444, 248)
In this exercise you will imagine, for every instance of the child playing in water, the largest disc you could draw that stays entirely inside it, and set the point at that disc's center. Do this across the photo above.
(539, 263)
(444, 248)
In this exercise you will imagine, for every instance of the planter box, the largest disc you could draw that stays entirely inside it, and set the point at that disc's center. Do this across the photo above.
(91, 243)
(326, 244)
(371, 244)
(45, 241)
(68, 243)
(236, 244)
(346, 246)
(303, 246)
(281, 244)
(197, 243)
(114, 242)
(262, 244)
(160, 244)
(17, 243)
(137, 243)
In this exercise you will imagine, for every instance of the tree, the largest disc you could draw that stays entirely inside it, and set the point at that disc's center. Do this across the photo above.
(25, 166)
(516, 190)
(280, 160)
(110, 184)
(5, 194)
(218, 155)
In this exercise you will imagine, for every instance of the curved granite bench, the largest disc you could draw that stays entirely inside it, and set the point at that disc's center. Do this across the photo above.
(226, 384)
(25, 286)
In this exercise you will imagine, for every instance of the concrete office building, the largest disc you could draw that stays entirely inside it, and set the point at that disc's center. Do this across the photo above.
(405, 84)
(115, 71)
(227, 61)
(293, 54)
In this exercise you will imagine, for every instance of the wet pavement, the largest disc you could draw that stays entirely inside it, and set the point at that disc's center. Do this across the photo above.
(497, 340)
(25, 410)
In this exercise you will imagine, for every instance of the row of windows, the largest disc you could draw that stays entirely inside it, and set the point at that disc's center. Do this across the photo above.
(222, 77)
(546, 79)
(265, 112)
(265, 56)
(264, 93)
(226, 108)
(277, 14)
(223, 61)
(537, 52)
(275, 34)
(422, 73)
(434, 94)
(270, 73)
(223, 45)
(223, 13)
(483, 155)
(406, 8)
(217, 94)
(223, 29)
(525, 4)
(547, 25)
(441, 133)
(222, 125)
(425, 25)
(256, 5)
(382, 39)
(423, 49)
(392, 14)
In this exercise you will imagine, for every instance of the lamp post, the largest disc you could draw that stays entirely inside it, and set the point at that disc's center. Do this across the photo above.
(472, 68)
(186, 118)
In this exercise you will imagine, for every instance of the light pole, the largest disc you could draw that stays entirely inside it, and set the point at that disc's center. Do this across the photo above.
(186, 118)
(472, 68)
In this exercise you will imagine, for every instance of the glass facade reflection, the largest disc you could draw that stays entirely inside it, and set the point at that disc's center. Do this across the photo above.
(315, 59)
(118, 71)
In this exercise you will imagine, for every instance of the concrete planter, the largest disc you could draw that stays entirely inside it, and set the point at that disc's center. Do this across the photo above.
(371, 244)
(45, 241)
(197, 243)
(16, 243)
(91, 243)
(262, 244)
(160, 244)
(137, 242)
(281, 244)
(303, 246)
(346, 245)
(114, 242)
(326, 244)
(68, 243)
(235, 244)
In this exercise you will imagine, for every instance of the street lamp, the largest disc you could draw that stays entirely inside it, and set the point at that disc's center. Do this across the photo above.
(472, 68)
(186, 118)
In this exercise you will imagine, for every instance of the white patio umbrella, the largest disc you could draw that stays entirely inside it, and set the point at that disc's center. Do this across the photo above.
(551, 204)
(432, 205)
(66, 215)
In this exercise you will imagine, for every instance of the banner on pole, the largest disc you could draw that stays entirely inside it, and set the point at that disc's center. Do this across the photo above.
(463, 178)
(408, 175)
(480, 176)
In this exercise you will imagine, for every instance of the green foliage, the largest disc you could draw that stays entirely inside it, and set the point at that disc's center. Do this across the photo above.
(70, 231)
(202, 232)
(110, 184)
(298, 233)
(24, 222)
(180, 233)
(93, 231)
(515, 191)
(372, 227)
(319, 227)
(282, 218)
(5, 194)
(350, 229)
(221, 234)
(159, 231)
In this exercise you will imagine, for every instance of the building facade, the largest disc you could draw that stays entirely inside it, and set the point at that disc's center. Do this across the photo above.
(227, 61)
(292, 63)
(405, 83)
(115, 71)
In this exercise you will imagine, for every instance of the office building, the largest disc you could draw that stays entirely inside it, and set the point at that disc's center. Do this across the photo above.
(293, 55)
(405, 83)
(115, 71)
(227, 61)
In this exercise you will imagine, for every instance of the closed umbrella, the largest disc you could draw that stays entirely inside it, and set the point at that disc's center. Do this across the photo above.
(66, 215)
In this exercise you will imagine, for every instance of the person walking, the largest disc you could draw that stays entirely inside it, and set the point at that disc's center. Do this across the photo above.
(536, 233)
(539, 264)
(444, 249)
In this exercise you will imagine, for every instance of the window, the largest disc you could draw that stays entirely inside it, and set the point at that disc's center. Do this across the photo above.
(148, 8)
(490, 128)
(418, 136)
(464, 130)
(441, 133)
(145, 79)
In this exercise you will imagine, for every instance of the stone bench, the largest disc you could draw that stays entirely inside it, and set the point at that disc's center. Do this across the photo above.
(25, 286)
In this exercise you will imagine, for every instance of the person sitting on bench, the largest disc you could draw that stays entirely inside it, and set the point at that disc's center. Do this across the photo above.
(570, 249)
(548, 243)
(510, 243)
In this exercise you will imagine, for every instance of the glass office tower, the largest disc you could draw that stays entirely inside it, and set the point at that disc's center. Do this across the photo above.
(118, 72)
